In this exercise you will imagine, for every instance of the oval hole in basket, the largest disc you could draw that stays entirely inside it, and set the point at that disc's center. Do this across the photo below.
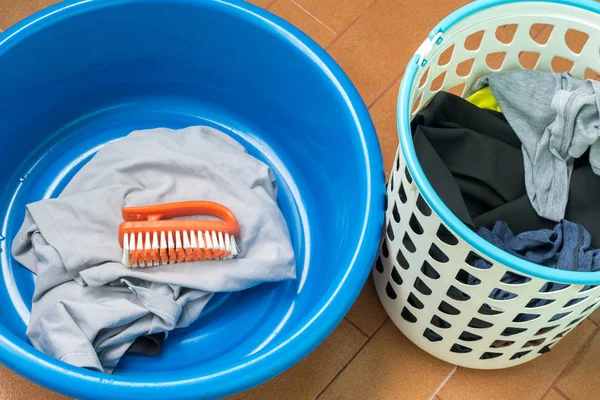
(437, 254)
(469, 337)
(560, 64)
(546, 329)
(525, 317)
(384, 249)
(423, 207)
(506, 33)
(389, 290)
(556, 317)
(572, 302)
(498, 344)
(408, 316)
(396, 213)
(397, 162)
(476, 261)
(422, 287)
(446, 236)
(514, 278)
(550, 287)
(544, 349)
(576, 40)
(446, 56)
(535, 303)
(587, 287)
(448, 308)
(560, 335)
(432, 335)
(402, 261)
(591, 74)
(408, 243)
(512, 331)
(438, 82)
(589, 307)
(489, 355)
(486, 309)
(415, 302)
(457, 294)
(429, 271)
(464, 68)
(396, 276)
(415, 225)
(440, 323)
(459, 348)
(458, 90)
(520, 354)
(500, 294)
(392, 183)
(576, 320)
(423, 80)
(390, 231)
(534, 342)
(540, 33)
(407, 175)
(473, 41)
(379, 265)
(495, 60)
(402, 194)
(417, 104)
(529, 59)
(466, 278)
(479, 324)
(385, 202)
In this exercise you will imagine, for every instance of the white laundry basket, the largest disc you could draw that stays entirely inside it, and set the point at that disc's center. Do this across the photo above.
(427, 253)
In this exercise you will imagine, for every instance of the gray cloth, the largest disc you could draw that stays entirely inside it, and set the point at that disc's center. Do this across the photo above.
(88, 309)
(557, 119)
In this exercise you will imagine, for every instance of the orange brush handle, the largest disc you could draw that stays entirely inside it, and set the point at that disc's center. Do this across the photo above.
(152, 218)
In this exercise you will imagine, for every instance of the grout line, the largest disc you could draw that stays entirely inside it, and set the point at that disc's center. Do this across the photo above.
(351, 24)
(415, 14)
(270, 4)
(439, 388)
(357, 327)
(315, 18)
(562, 393)
(351, 359)
(389, 87)
(572, 360)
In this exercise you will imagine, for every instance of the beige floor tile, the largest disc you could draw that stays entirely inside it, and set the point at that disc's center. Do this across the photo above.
(383, 113)
(305, 22)
(553, 395)
(310, 376)
(377, 48)
(15, 387)
(367, 313)
(12, 11)
(432, 11)
(261, 3)
(580, 381)
(336, 14)
(389, 367)
(526, 382)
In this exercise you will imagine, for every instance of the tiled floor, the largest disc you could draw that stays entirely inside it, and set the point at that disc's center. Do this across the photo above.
(366, 357)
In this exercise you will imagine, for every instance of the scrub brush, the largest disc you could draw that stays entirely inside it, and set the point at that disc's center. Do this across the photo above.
(149, 238)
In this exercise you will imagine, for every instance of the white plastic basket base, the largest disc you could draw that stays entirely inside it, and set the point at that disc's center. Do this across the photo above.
(423, 268)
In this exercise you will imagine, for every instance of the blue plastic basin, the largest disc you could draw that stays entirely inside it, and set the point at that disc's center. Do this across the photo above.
(83, 73)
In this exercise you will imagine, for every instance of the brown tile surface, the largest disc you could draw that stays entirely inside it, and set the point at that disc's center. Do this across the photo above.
(553, 395)
(389, 367)
(580, 381)
(367, 313)
(383, 113)
(595, 317)
(14, 387)
(12, 11)
(309, 377)
(261, 3)
(525, 382)
(336, 14)
(376, 49)
(432, 11)
(289, 11)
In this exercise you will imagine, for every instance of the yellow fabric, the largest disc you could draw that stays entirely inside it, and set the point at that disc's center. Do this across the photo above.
(484, 98)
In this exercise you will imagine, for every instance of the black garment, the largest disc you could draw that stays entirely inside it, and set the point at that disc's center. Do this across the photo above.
(473, 160)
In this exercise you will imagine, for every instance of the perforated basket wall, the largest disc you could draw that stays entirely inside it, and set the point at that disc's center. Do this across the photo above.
(426, 276)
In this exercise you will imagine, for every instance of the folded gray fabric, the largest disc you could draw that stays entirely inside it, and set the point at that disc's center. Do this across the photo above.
(557, 119)
(88, 309)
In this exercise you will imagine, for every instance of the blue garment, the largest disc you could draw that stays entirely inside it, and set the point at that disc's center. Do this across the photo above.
(566, 247)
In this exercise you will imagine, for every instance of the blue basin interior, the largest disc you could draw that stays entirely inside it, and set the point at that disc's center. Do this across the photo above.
(84, 73)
